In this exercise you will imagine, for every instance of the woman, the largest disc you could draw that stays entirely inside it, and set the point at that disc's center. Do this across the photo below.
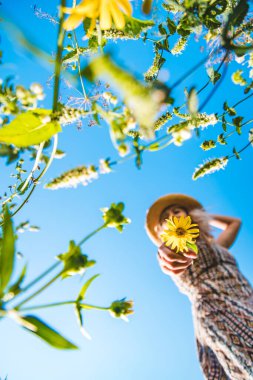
(222, 298)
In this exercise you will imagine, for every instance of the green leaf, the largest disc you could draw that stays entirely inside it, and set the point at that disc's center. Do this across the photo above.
(141, 100)
(162, 30)
(224, 124)
(237, 121)
(213, 75)
(7, 254)
(85, 287)
(45, 332)
(29, 128)
(73, 55)
(238, 14)
(132, 30)
(15, 288)
(171, 26)
(251, 136)
(221, 139)
(237, 156)
(192, 101)
(78, 310)
(192, 246)
(153, 147)
(10, 152)
(230, 110)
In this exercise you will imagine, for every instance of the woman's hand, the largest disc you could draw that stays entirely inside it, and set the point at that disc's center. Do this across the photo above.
(174, 263)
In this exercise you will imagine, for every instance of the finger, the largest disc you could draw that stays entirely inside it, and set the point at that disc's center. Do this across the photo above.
(172, 271)
(175, 265)
(172, 256)
(178, 271)
(190, 254)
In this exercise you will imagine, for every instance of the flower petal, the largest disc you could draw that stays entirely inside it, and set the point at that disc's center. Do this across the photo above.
(105, 16)
(170, 223)
(72, 22)
(126, 6)
(92, 26)
(181, 220)
(194, 230)
(117, 15)
(89, 8)
(187, 221)
(175, 220)
(68, 10)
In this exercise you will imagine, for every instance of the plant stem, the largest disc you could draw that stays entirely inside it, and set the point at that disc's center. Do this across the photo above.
(189, 72)
(99, 32)
(41, 174)
(242, 149)
(57, 72)
(243, 100)
(58, 61)
(218, 70)
(55, 304)
(50, 159)
(161, 147)
(91, 234)
(39, 290)
(45, 306)
(159, 139)
(79, 66)
(24, 202)
(215, 88)
(236, 104)
(42, 275)
(87, 306)
(36, 163)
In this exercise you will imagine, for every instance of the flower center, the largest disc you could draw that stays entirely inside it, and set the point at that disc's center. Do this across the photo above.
(180, 231)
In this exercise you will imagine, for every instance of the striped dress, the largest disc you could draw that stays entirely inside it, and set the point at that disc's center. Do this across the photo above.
(222, 308)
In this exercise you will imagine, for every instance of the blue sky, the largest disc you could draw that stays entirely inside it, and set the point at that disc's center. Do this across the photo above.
(158, 342)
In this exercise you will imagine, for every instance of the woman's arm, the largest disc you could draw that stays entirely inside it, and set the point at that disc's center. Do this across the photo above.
(230, 227)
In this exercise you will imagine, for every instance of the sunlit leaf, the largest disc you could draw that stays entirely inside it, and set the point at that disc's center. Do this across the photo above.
(85, 287)
(142, 101)
(29, 128)
(7, 253)
(79, 315)
(237, 156)
(192, 246)
(45, 332)
(192, 101)
(132, 30)
(15, 288)
(213, 75)
(237, 121)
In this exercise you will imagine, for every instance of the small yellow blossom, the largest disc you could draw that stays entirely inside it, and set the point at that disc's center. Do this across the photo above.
(180, 234)
(107, 11)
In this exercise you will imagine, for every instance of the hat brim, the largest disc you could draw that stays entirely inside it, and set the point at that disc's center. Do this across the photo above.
(154, 212)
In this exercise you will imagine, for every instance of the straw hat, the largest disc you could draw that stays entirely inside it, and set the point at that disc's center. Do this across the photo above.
(154, 212)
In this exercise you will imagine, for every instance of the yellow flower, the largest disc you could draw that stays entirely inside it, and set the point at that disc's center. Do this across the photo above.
(106, 10)
(180, 234)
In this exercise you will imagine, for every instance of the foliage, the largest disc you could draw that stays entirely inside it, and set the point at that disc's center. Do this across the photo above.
(142, 114)
(72, 262)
